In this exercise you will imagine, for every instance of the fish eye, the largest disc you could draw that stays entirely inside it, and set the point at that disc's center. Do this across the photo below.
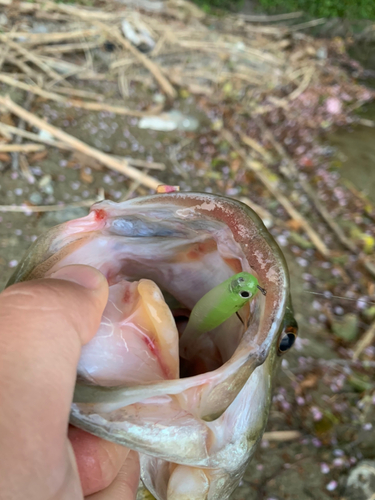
(244, 294)
(286, 342)
(288, 338)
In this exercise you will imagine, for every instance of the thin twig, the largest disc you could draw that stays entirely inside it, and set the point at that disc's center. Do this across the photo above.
(367, 339)
(85, 94)
(14, 61)
(281, 436)
(21, 148)
(110, 162)
(46, 208)
(70, 47)
(270, 19)
(18, 138)
(308, 24)
(145, 164)
(4, 128)
(44, 38)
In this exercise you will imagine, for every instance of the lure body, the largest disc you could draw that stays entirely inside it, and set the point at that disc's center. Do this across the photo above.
(219, 304)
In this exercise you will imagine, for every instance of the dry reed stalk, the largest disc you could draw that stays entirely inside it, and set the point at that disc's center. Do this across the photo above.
(45, 38)
(260, 172)
(86, 94)
(86, 14)
(46, 208)
(70, 47)
(270, 19)
(92, 106)
(30, 56)
(9, 129)
(74, 143)
(21, 148)
(147, 63)
(14, 61)
(367, 339)
(145, 164)
(281, 436)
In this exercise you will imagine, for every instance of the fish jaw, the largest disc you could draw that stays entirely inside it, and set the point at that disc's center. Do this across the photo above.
(187, 244)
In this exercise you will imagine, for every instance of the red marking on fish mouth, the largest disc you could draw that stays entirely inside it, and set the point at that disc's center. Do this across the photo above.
(99, 214)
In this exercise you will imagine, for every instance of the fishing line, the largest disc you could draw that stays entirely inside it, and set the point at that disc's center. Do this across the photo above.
(330, 296)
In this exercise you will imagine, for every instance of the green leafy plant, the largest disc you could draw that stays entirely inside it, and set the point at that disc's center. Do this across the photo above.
(360, 9)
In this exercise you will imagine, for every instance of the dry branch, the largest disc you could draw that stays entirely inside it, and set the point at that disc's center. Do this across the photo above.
(74, 143)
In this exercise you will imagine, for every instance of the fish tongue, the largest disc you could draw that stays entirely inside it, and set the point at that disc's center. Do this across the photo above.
(137, 340)
(188, 483)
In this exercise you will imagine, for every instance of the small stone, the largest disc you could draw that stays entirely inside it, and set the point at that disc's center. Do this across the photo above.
(361, 481)
(36, 198)
(45, 184)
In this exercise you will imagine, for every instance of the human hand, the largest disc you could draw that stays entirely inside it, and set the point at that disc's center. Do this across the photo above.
(43, 325)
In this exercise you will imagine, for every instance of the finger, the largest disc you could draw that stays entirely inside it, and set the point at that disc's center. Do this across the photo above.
(43, 325)
(125, 486)
(98, 461)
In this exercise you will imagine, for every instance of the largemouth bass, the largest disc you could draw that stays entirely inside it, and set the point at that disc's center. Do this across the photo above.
(195, 420)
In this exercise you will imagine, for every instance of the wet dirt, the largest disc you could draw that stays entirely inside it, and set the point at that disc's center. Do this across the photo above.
(319, 392)
(356, 154)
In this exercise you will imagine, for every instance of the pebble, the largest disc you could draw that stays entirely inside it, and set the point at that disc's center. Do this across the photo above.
(361, 481)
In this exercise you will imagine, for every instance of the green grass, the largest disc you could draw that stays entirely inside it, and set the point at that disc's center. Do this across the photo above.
(350, 9)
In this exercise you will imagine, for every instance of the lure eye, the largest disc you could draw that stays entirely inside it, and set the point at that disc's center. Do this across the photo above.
(245, 295)
(287, 340)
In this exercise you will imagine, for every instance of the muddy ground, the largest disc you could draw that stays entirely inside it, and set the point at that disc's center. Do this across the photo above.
(320, 391)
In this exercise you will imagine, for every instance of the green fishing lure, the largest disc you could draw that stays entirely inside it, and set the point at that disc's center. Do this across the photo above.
(219, 304)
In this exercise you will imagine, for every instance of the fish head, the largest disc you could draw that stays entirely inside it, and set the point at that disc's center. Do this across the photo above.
(195, 421)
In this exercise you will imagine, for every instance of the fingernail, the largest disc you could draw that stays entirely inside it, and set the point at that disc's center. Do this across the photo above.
(86, 276)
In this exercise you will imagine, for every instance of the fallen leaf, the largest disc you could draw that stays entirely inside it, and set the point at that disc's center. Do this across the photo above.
(35, 157)
(7, 119)
(4, 157)
(293, 224)
(84, 161)
(85, 177)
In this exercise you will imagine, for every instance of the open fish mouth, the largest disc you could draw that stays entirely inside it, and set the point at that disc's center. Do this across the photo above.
(194, 419)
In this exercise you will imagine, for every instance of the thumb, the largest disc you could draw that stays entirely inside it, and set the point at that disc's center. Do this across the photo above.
(43, 325)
